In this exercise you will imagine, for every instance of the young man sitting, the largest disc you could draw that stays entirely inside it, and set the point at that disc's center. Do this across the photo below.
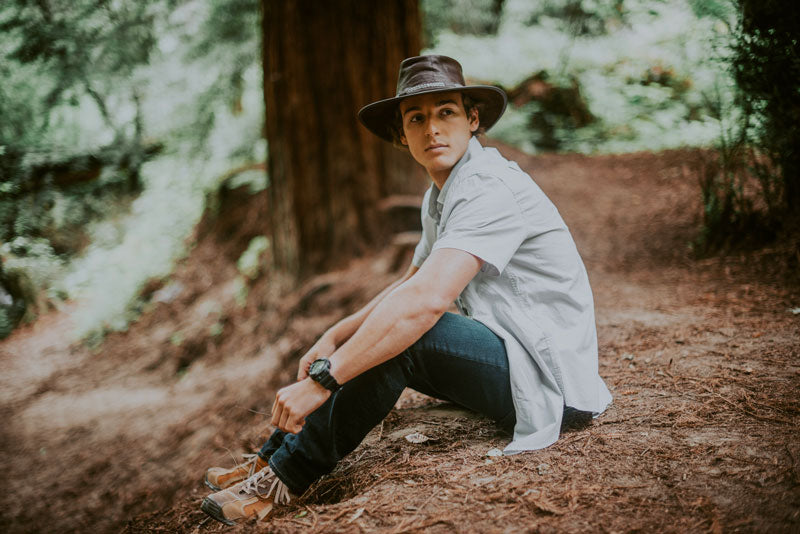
(522, 349)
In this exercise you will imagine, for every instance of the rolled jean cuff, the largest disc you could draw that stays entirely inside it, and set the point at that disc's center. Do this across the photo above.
(273, 444)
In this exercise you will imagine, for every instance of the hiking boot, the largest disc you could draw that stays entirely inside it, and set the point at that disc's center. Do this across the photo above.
(219, 478)
(253, 497)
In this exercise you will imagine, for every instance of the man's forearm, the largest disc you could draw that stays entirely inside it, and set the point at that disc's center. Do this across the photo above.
(396, 322)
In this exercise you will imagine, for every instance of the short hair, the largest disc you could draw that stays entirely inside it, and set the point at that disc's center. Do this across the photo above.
(470, 103)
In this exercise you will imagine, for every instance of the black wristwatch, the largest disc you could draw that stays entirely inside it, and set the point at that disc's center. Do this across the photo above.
(320, 372)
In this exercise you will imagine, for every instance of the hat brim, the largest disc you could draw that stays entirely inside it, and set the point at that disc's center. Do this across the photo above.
(378, 116)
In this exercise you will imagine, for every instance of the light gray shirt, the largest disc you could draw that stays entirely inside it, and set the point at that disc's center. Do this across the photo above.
(532, 289)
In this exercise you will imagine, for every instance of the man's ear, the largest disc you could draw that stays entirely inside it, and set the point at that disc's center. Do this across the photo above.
(474, 120)
(403, 140)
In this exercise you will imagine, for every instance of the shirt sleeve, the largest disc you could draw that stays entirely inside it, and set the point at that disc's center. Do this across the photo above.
(484, 219)
(423, 249)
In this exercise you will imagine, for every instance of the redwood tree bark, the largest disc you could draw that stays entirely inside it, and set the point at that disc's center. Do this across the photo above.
(323, 60)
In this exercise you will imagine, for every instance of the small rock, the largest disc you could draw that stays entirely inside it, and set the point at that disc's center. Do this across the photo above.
(494, 452)
(795, 311)
(417, 437)
(543, 468)
(627, 356)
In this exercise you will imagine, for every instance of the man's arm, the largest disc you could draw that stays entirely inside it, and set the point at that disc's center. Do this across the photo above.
(400, 318)
(406, 313)
(341, 331)
(349, 325)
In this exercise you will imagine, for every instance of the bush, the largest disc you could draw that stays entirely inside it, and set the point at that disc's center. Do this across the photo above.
(752, 193)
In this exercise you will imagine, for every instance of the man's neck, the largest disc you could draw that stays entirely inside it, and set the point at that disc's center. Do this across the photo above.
(440, 178)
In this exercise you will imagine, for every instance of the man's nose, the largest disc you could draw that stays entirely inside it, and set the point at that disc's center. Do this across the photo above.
(433, 126)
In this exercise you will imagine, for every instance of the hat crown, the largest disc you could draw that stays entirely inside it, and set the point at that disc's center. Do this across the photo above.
(423, 73)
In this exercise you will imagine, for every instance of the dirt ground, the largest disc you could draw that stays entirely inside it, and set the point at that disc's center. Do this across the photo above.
(702, 358)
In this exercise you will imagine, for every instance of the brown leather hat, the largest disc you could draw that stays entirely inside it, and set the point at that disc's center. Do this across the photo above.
(431, 74)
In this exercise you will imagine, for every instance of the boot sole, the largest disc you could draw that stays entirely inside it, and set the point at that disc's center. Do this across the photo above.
(214, 511)
(212, 486)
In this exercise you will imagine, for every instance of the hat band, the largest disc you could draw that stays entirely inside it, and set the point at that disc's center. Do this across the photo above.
(427, 85)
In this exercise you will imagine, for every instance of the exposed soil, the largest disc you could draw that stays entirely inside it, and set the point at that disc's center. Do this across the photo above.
(702, 357)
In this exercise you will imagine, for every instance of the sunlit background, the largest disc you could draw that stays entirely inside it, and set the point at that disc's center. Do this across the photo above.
(120, 120)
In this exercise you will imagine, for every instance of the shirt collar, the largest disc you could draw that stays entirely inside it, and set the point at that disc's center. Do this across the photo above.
(436, 201)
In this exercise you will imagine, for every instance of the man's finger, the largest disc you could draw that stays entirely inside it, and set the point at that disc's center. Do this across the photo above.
(277, 410)
(302, 371)
(284, 419)
(299, 426)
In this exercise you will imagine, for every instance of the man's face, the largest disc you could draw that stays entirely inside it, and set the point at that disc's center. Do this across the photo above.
(436, 130)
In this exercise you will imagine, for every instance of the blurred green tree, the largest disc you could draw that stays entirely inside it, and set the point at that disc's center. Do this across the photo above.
(766, 66)
(58, 59)
(82, 47)
(751, 194)
(478, 17)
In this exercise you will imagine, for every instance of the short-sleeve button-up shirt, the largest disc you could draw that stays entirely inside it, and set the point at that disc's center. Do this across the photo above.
(532, 290)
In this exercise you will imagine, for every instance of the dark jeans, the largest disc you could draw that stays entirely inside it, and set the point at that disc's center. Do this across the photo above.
(458, 360)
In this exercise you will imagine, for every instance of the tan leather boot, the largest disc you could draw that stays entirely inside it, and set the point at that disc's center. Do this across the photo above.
(256, 496)
(218, 478)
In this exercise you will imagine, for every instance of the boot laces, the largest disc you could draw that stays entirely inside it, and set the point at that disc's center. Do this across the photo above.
(252, 460)
(265, 484)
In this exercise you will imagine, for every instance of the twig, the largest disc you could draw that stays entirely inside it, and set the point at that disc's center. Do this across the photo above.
(745, 410)
(419, 509)
(430, 523)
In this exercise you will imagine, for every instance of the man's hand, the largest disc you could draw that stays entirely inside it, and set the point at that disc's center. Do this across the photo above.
(323, 348)
(293, 403)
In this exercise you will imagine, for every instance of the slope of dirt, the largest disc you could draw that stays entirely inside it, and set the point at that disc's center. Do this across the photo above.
(701, 357)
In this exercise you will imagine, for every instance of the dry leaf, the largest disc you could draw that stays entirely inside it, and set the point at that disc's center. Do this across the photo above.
(546, 505)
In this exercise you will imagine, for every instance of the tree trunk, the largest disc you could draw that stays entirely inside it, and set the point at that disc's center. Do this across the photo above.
(323, 60)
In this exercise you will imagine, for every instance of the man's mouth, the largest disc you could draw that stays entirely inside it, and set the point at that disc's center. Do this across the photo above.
(438, 145)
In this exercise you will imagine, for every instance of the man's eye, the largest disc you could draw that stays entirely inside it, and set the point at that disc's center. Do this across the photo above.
(447, 112)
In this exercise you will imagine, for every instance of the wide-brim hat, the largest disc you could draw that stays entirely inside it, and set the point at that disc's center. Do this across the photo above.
(431, 74)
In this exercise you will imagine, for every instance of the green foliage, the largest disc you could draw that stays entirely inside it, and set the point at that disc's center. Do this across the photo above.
(460, 16)
(249, 263)
(118, 119)
(70, 138)
(25, 266)
(645, 71)
(580, 17)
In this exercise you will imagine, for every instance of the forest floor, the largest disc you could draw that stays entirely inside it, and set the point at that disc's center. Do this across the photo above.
(702, 358)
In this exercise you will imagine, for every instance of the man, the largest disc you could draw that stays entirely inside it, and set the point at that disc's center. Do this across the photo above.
(523, 348)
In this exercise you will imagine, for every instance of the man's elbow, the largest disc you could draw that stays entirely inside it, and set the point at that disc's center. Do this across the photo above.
(437, 306)
(431, 304)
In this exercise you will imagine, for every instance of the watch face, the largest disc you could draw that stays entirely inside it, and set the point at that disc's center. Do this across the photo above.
(317, 367)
